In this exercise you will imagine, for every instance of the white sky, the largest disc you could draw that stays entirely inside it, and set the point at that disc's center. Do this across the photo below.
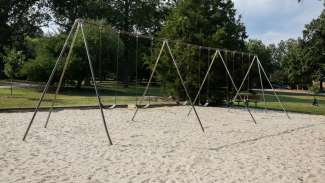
(274, 20)
(269, 20)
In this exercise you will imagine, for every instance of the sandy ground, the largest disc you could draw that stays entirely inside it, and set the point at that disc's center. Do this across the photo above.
(163, 145)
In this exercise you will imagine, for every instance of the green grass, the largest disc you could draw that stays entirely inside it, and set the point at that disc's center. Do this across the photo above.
(293, 103)
(28, 98)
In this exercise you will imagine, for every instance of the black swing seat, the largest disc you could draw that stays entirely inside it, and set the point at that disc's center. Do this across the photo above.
(146, 106)
(112, 106)
(206, 103)
(185, 103)
(248, 99)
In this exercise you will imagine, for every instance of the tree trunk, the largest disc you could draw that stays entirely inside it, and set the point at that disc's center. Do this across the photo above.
(321, 85)
(11, 87)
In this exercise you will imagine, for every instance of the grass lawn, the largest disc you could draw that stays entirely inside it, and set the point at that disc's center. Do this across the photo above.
(292, 102)
(28, 98)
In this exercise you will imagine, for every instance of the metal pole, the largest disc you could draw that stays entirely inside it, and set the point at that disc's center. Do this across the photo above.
(116, 71)
(62, 75)
(200, 81)
(276, 95)
(204, 80)
(151, 55)
(151, 76)
(261, 80)
(50, 79)
(250, 67)
(182, 81)
(234, 85)
(100, 105)
(117, 66)
(136, 70)
(232, 81)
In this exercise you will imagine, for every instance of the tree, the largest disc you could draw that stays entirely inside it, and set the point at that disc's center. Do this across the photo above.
(47, 49)
(314, 47)
(42, 54)
(66, 12)
(103, 55)
(212, 23)
(18, 19)
(128, 15)
(296, 64)
(136, 16)
(264, 54)
(13, 61)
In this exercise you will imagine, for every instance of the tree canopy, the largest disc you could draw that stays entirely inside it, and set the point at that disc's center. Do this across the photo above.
(314, 47)
(212, 23)
(45, 50)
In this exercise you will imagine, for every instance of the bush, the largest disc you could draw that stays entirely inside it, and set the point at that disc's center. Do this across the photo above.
(45, 51)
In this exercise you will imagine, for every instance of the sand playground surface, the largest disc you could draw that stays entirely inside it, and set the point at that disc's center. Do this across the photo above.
(163, 145)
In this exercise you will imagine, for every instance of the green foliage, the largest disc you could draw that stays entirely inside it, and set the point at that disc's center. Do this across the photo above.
(103, 48)
(17, 20)
(292, 64)
(314, 46)
(314, 88)
(129, 15)
(212, 23)
(264, 54)
(295, 64)
(44, 51)
(13, 60)
(302, 60)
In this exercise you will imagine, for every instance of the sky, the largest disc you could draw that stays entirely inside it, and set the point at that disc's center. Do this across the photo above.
(270, 20)
(274, 20)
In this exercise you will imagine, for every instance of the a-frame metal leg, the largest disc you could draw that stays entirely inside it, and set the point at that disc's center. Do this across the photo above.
(242, 84)
(165, 43)
(262, 85)
(234, 85)
(183, 83)
(204, 80)
(62, 75)
(94, 83)
(276, 95)
(150, 79)
(50, 79)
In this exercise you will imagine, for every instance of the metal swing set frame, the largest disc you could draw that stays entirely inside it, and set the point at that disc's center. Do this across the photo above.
(78, 27)
(165, 44)
(238, 90)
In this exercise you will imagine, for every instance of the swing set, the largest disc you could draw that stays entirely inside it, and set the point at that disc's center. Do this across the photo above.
(244, 99)
(78, 26)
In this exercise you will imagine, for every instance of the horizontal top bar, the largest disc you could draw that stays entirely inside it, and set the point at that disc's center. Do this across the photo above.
(168, 40)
